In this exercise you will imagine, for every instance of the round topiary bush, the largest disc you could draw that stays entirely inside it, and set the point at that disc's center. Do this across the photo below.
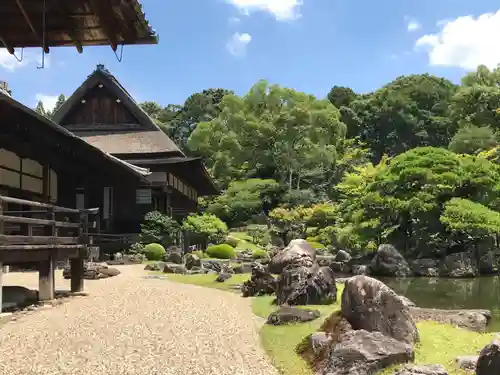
(259, 254)
(154, 251)
(222, 251)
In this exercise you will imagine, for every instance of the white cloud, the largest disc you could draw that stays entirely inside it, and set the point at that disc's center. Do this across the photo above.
(283, 10)
(464, 42)
(234, 20)
(413, 26)
(28, 58)
(49, 101)
(237, 44)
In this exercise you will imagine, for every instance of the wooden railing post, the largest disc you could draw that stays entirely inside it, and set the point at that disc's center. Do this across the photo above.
(77, 264)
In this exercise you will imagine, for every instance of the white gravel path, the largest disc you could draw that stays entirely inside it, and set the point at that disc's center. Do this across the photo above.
(131, 325)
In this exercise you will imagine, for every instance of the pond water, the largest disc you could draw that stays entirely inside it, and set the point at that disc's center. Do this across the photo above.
(441, 293)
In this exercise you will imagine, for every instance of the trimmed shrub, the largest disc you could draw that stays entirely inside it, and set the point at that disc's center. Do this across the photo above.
(154, 251)
(260, 254)
(232, 241)
(223, 251)
(316, 245)
(136, 248)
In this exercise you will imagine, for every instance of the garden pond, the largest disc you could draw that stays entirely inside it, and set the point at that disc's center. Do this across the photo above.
(442, 293)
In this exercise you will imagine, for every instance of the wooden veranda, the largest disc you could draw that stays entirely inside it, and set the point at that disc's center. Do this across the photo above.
(43, 233)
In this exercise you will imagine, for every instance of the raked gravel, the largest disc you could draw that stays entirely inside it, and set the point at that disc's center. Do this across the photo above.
(133, 325)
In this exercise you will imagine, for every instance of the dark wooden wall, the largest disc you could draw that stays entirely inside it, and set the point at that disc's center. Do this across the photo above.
(100, 108)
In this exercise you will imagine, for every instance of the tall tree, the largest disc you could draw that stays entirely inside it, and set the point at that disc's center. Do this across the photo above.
(41, 109)
(341, 96)
(273, 129)
(60, 101)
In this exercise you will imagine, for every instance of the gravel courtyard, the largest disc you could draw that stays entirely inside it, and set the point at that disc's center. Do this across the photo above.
(131, 325)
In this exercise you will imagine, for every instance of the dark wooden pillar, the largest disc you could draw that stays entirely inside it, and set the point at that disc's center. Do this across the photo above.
(46, 287)
(76, 265)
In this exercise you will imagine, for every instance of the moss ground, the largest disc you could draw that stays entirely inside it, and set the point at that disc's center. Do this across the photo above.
(440, 343)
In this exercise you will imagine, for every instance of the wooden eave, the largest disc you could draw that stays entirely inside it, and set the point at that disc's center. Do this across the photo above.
(75, 23)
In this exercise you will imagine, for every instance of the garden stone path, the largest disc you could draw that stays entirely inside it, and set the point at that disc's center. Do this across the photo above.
(133, 325)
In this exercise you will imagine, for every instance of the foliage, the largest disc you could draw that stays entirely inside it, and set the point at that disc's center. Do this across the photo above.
(154, 251)
(200, 254)
(243, 199)
(208, 226)
(259, 235)
(271, 130)
(222, 251)
(160, 228)
(316, 245)
(40, 108)
(232, 241)
(259, 254)
(136, 248)
(473, 139)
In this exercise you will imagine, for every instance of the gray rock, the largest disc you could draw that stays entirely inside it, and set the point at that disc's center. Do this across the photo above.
(261, 282)
(307, 286)
(488, 263)
(223, 277)
(192, 260)
(340, 267)
(369, 304)
(157, 266)
(243, 268)
(422, 370)
(459, 265)
(360, 269)
(389, 262)
(173, 257)
(325, 260)
(488, 362)
(343, 256)
(93, 271)
(287, 315)
(318, 342)
(298, 253)
(467, 362)
(365, 353)
(426, 267)
(174, 268)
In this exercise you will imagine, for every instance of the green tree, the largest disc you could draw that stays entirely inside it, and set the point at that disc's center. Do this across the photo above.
(341, 96)
(60, 101)
(473, 139)
(207, 226)
(271, 132)
(411, 111)
(40, 109)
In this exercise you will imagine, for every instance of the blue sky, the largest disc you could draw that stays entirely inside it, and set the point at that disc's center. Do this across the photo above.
(309, 45)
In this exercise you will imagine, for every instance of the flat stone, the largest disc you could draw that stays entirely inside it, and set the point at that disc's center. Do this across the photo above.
(467, 362)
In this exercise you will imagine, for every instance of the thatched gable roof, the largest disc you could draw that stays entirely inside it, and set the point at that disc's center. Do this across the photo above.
(148, 139)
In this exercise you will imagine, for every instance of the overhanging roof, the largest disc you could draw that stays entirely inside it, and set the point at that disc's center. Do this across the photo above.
(76, 23)
(139, 172)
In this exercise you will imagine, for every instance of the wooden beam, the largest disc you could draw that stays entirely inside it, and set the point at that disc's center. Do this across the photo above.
(108, 24)
(10, 47)
(1, 285)
(32, 27)
(70, 30)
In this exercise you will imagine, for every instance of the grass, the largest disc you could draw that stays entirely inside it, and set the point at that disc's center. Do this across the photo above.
(209, 280)
(439, 343)
(245, 241)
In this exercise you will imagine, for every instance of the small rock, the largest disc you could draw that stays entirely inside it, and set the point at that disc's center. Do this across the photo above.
(360, 269)
(467, 362)
(192, 260)
(317, 342)
(343, 256)
(157, 266)
(287, 314)
(422, 370)
(174, 268)
(425, 267)
(173, 257)
(223, 277)
(389, 262)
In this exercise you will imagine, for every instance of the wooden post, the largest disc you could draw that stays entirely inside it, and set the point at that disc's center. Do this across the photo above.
(46, 287)
(76, 265)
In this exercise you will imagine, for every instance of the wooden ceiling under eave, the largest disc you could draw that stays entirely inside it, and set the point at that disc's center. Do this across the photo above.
(78, 23)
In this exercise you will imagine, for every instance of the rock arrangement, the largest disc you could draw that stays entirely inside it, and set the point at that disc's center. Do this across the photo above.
(93, 271)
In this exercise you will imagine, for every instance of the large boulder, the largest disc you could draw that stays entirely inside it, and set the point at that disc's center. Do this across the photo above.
(489, 359)
(192, 260)
(307, 286)
(426, 267)
(389, 262)
(459, 265)
(173, 257)
(174, 268)
(261, 282)
(365, 353)
(287, 315)
(369, 304)
(343, 256)
(298, 253)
